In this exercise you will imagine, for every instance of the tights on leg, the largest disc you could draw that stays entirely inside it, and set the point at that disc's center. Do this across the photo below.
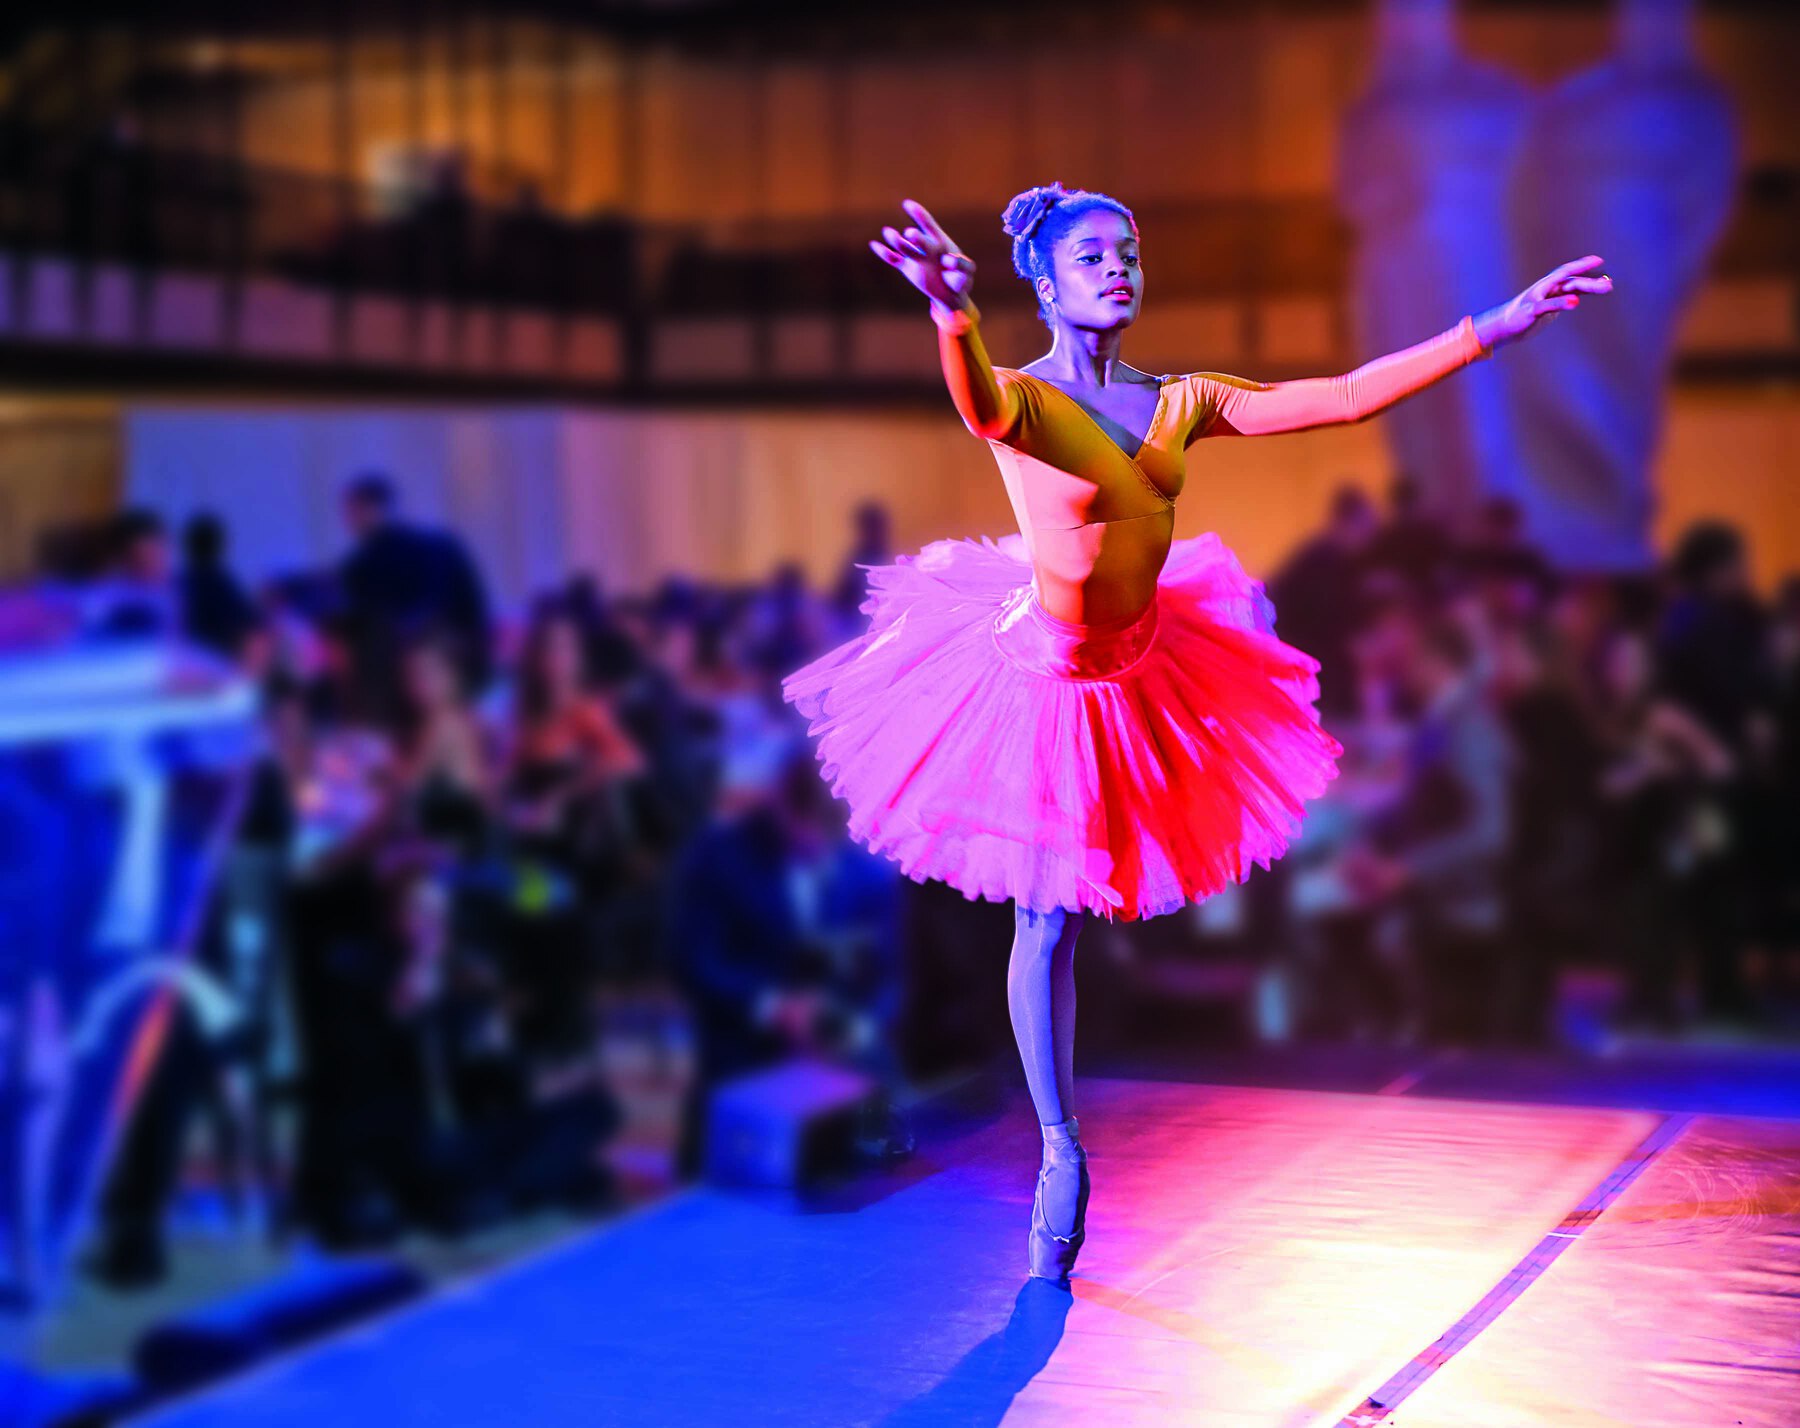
(1040, 992)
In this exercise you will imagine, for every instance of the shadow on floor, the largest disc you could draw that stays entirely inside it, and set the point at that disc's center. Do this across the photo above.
(981, 1387)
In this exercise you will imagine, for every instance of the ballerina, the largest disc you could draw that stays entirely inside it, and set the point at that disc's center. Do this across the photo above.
(1089, 716)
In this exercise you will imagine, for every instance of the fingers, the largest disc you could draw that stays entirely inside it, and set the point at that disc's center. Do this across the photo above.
(1601, 284)
(923, 218)
(900, 243)
(885, 253)
(1561, 292)
(1556, 279)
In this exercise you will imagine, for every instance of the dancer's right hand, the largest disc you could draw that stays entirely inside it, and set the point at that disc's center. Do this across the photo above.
(932, 263)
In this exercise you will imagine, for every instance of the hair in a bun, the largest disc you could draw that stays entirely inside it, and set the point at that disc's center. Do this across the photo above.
(1027, 210)
(1036, 218)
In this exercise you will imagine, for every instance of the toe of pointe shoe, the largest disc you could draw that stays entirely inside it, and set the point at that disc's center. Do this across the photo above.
(1049, 1255)
(1052, 1259)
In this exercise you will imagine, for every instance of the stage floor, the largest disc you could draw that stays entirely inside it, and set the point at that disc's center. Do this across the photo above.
(1276, 1258)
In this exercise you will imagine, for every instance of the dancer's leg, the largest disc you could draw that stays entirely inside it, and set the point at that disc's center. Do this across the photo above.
(1040, 989)
(1062, 1011)
(1040, 992)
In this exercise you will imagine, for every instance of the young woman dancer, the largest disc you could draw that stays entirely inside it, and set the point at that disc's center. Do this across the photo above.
(1090, 716)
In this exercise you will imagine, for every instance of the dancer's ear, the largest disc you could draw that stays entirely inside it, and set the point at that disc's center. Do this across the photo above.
(1046, 291)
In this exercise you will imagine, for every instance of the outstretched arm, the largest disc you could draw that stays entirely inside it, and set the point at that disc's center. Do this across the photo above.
(1240, 407)
(938, 268)
(1235, 406)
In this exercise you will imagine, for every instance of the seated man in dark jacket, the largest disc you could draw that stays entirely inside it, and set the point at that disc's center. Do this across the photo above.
(786, 937)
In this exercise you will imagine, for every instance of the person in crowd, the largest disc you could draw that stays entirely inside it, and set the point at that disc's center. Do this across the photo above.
(1784, 665)
(436, 785)
(1343, 942)
(1411, 543)
(1436, 854)
(1661, 819)
(529, 262)
(568, 746)
(785, 624)
(216, 611)
(398, 579)
(137, 597)
(442, 766)
(1580, 616)
(675, 727)
(444, 228)
(575, 779)
(290, 641)
(1540, 692)
(1713, 659)
(1499, 547)
(785, 936)
(1780, 833)
(611, 654)
(873, 545)
(1712, 647)
(1319, 594)
(751, 727)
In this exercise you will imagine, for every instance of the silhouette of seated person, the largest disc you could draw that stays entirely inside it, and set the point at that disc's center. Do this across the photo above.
(786, 939)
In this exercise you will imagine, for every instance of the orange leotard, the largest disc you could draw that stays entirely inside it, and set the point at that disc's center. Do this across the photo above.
(1097, 521)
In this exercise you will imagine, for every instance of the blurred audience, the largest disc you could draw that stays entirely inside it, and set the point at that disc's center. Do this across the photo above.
(492, 845)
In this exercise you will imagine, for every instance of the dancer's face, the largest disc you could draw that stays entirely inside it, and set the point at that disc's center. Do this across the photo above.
(1098, 279)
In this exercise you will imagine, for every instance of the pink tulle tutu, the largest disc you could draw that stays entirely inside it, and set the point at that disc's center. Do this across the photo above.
(1126, 769)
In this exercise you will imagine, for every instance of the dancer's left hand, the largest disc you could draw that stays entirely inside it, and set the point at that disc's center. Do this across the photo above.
(1558, 291)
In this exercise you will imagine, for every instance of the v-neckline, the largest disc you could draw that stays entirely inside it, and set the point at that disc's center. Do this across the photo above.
(1134, 457)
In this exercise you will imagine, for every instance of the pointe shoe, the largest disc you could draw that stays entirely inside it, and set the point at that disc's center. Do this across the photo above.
(1051, 1255)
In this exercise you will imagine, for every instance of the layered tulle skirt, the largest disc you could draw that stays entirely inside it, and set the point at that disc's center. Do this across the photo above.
(1126, 769)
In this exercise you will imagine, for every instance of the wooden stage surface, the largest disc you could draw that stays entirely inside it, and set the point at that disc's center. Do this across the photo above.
(1277, 1258)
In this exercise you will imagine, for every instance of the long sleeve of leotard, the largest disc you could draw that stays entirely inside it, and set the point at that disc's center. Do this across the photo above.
(988, 405)
(1236, 406)
(991, 403)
